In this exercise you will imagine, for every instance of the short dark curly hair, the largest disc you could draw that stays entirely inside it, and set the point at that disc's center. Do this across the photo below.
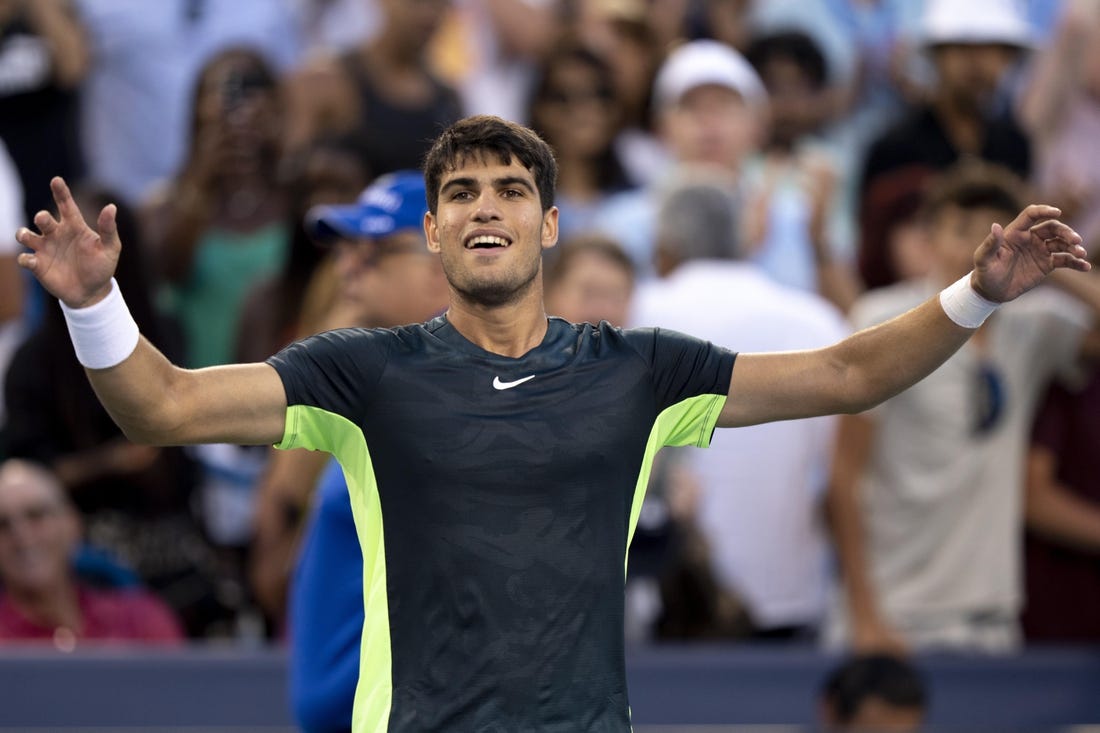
(486, 135)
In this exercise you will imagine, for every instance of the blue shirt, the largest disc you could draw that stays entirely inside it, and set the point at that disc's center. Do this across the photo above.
(326, 612)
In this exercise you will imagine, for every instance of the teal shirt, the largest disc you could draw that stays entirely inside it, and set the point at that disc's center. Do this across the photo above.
(208, 303)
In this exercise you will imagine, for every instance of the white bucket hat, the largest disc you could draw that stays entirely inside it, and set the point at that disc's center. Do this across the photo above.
(975, 22)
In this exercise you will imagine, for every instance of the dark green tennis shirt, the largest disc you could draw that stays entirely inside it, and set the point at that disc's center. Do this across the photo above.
(495, 499)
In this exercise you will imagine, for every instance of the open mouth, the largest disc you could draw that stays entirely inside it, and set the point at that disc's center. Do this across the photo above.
(487, 241)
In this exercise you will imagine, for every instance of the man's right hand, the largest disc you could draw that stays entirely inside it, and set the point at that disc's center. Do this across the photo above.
(73, 262)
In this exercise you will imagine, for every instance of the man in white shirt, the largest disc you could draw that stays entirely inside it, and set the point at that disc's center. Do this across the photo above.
(927, 490)
(761, 486)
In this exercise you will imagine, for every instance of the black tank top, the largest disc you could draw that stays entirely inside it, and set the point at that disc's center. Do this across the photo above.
(394, 137)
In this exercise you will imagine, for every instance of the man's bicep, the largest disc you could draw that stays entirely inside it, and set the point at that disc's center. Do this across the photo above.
(241, 403)
(766, 387)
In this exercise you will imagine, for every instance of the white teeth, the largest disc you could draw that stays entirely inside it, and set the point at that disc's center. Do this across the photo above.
(487, 241)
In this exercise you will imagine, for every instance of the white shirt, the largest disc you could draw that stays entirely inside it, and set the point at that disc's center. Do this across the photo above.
(762, 486)
(11, 204)
(941, 506)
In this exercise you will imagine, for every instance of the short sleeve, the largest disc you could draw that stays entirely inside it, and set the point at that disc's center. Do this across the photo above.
(335, 372)
(690, 377)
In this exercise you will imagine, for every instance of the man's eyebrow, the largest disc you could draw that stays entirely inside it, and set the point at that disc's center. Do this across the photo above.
(459, 183)
(502, 182)
(513, 181)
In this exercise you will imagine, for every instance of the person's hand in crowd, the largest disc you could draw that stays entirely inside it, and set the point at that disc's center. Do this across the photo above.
(73, 262)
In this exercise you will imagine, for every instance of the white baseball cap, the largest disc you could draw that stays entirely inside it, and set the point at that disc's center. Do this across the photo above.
(975, 22)
(698, 63)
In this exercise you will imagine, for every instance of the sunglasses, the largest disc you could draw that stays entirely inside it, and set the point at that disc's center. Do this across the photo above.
(989, 398)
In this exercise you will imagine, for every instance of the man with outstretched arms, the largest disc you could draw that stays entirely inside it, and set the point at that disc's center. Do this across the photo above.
(497, 458)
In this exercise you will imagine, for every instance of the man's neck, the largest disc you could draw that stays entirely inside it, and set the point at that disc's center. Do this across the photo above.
(963, 126)
(509, 330)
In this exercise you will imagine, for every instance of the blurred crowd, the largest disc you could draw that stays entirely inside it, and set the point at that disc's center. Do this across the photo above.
(768, 175)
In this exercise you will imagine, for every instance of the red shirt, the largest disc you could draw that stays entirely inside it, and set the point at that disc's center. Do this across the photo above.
(109, 615)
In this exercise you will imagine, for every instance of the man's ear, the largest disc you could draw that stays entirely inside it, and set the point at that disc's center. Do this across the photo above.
(431, 233)
(550, 228)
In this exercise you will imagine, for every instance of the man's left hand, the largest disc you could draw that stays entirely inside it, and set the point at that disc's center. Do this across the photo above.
(1016, 258)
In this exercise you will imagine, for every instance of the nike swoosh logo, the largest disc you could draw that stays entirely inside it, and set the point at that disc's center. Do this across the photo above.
(497, 384)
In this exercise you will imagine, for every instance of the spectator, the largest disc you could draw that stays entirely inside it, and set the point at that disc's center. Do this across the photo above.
(41, 599)
(804, 239)
(590, 279)
(627, 35)
(710, 107)
(219, 227)
(385, 267)
(575, 110)
(926, 495)
(381, 94)
(146, 59)
(971, 47)
(1059, 110)
(874, 693)
(869, 50)
(760, 487)
(1062, 509)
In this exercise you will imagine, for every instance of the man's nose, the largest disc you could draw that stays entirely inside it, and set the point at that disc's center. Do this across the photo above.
(486, 208)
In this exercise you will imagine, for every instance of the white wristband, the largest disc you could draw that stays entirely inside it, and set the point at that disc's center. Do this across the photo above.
(103, 334)
(964, 306)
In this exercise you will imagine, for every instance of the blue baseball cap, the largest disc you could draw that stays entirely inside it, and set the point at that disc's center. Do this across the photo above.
(393, 202)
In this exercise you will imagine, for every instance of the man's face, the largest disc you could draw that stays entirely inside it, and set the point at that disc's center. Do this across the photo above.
(489, 230)
(956, 233)
(38, 532)
(711, 124)
(797, 107)
(391, 281)
(969, 74)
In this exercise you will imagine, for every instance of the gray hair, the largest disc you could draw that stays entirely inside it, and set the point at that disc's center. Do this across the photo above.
(698, 219)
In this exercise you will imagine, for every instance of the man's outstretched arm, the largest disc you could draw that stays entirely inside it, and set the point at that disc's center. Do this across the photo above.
(875, 364)
(152, 400)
